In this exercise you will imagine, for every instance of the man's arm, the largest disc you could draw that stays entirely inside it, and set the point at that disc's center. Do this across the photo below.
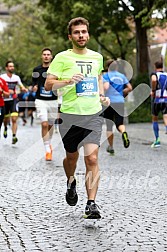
(106, 85)
(104, 100)
(127, 89)
(24, 89)
(153, 84)
(4, 89)
(101, 88)
(5, 92)
(52, 82)
(20, 84)
(35, 80)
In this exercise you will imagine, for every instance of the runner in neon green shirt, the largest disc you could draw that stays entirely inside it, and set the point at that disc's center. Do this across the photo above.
(77, 74)
(83, 98)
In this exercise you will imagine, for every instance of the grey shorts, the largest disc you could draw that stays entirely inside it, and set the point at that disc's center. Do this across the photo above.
(77, 130)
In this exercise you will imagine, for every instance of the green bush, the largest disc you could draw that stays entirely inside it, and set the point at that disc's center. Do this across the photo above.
(140, 78)
(143, 112)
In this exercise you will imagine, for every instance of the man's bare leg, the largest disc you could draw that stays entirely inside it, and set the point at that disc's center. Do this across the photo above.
(69, 164)
(92, 180)
(92, 170)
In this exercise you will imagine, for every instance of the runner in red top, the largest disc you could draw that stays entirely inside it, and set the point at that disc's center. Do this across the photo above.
(4, 92)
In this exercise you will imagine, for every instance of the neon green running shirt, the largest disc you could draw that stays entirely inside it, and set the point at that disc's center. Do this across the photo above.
(81, 98)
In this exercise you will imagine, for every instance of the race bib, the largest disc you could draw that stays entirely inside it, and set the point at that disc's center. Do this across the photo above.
(45, 93)
(165, 93)
(87, 87)
(160, 100)
(158, 93)
(10, 98)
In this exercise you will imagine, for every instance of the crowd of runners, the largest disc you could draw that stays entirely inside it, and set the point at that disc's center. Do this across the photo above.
(76, 91)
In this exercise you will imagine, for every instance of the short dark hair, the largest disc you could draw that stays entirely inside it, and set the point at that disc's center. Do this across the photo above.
(77, 21)
(108, 62)
(111, 64)
(7, 63)
(46, 49)
(158, 64)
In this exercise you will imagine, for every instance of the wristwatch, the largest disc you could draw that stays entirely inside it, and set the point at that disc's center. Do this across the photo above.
(101, 95)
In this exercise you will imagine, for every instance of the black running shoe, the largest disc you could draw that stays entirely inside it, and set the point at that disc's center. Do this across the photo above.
(14, 140)
(71, 194)
(125, 139)
(110, 150)
(92, 212)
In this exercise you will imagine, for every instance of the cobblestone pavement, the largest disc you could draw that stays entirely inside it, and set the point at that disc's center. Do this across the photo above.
(132, 195)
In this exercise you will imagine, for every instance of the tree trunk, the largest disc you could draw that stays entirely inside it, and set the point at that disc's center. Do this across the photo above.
(142, 48)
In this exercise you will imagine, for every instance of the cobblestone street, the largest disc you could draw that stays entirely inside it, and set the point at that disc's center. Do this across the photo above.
(132, 196)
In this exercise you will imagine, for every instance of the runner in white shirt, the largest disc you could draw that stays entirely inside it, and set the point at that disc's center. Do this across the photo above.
(11, 108)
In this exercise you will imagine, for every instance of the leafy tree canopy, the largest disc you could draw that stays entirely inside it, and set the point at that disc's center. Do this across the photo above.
(24, 37)
(110, 18)
(113, 25)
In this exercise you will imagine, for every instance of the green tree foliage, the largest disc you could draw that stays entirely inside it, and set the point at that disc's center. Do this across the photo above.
(104, 23)
(111, 23)
(24, 38)
(113, 26)
(142, 11)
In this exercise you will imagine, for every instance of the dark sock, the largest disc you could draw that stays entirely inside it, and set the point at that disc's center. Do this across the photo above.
(73, 184)
(14, 135)
(32, 118)
(90, 201)
(6, 128)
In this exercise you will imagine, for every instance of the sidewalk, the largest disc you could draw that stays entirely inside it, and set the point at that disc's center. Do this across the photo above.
(132, 196)
(144, 132)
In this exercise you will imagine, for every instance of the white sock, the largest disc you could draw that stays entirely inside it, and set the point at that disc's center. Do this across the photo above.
(47, 146)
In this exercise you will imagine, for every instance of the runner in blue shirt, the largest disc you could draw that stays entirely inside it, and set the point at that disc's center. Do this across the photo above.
(116, 87)
(159, 99)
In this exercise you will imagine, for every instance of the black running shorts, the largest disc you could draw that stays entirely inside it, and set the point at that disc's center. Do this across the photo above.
(114, 113)
(159, 107)
(11, 107)
(77, 130)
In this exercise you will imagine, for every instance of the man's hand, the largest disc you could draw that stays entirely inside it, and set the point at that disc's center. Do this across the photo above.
(11, 91)
(25, 90)
(152, 93)
(35, 88)
(105, 101)
(52, 82)
(76, 78)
